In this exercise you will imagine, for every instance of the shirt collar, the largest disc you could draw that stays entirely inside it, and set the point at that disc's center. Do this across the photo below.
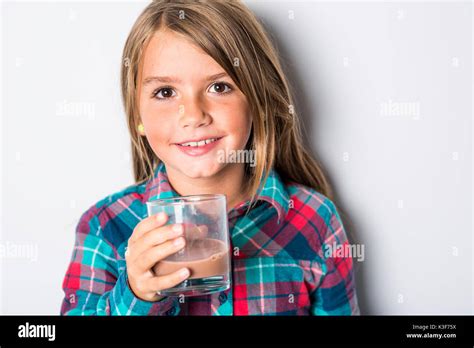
(274, 190)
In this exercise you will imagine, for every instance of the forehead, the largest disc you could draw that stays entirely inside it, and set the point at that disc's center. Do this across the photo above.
(169, 53)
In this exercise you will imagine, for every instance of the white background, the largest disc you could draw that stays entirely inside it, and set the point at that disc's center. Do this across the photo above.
(404, 182)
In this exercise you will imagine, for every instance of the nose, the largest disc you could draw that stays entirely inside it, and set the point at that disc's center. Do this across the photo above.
(193, 114)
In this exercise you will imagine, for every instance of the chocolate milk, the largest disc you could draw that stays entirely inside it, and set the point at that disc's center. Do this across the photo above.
(204, 258)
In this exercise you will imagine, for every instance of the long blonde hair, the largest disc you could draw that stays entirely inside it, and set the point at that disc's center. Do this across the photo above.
(231, 34)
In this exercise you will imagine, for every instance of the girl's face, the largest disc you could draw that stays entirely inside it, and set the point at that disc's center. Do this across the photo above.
(186, 97)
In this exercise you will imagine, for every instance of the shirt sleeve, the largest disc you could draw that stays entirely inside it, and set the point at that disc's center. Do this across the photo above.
(336, 293)
(94, 285)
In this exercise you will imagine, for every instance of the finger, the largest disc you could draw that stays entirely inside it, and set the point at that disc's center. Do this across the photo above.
(148, 224)
(147, 259)
(167, 281)
(156, 237)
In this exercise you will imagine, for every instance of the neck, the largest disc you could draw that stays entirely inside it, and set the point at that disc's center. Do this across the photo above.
(229, 181)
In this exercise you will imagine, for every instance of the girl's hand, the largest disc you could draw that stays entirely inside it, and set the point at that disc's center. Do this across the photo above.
(151, 242)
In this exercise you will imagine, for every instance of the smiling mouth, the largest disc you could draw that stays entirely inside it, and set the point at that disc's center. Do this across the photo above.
(198, 143)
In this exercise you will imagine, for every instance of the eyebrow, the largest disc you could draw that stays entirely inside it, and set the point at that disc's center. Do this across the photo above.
(171, 79)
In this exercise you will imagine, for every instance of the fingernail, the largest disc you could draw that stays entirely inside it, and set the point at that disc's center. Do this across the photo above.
(177, 228)
(179, 242)
(184, 272)
(160, 216)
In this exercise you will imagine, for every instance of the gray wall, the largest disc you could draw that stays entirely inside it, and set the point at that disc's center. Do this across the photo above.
(385, 93)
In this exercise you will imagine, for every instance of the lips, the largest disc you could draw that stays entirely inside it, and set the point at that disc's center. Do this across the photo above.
(198, 147)
(198, 142)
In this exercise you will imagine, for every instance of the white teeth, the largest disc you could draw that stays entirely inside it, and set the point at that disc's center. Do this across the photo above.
(199, 143)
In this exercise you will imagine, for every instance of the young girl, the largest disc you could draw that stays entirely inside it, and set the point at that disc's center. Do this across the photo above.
(201, 78)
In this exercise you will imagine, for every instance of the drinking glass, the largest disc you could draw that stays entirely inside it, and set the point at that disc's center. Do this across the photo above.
(207, 250)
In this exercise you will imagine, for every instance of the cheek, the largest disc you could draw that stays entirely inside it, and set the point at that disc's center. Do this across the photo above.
(158, 126)
(157, 131)
(158, 138)
(239, 124)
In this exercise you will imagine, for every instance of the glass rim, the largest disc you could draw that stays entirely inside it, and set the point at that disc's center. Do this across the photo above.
(187, 199)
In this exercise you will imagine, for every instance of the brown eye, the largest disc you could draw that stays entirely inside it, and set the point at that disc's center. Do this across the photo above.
(163, 93)
(221, 88)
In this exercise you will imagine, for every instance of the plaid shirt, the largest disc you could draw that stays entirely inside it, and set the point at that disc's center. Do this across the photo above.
(278, 263)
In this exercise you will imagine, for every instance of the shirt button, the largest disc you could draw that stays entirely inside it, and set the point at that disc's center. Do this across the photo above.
(171, 311)
(222, 297)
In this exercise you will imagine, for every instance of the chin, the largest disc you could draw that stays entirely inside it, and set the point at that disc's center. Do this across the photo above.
(200, 169)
